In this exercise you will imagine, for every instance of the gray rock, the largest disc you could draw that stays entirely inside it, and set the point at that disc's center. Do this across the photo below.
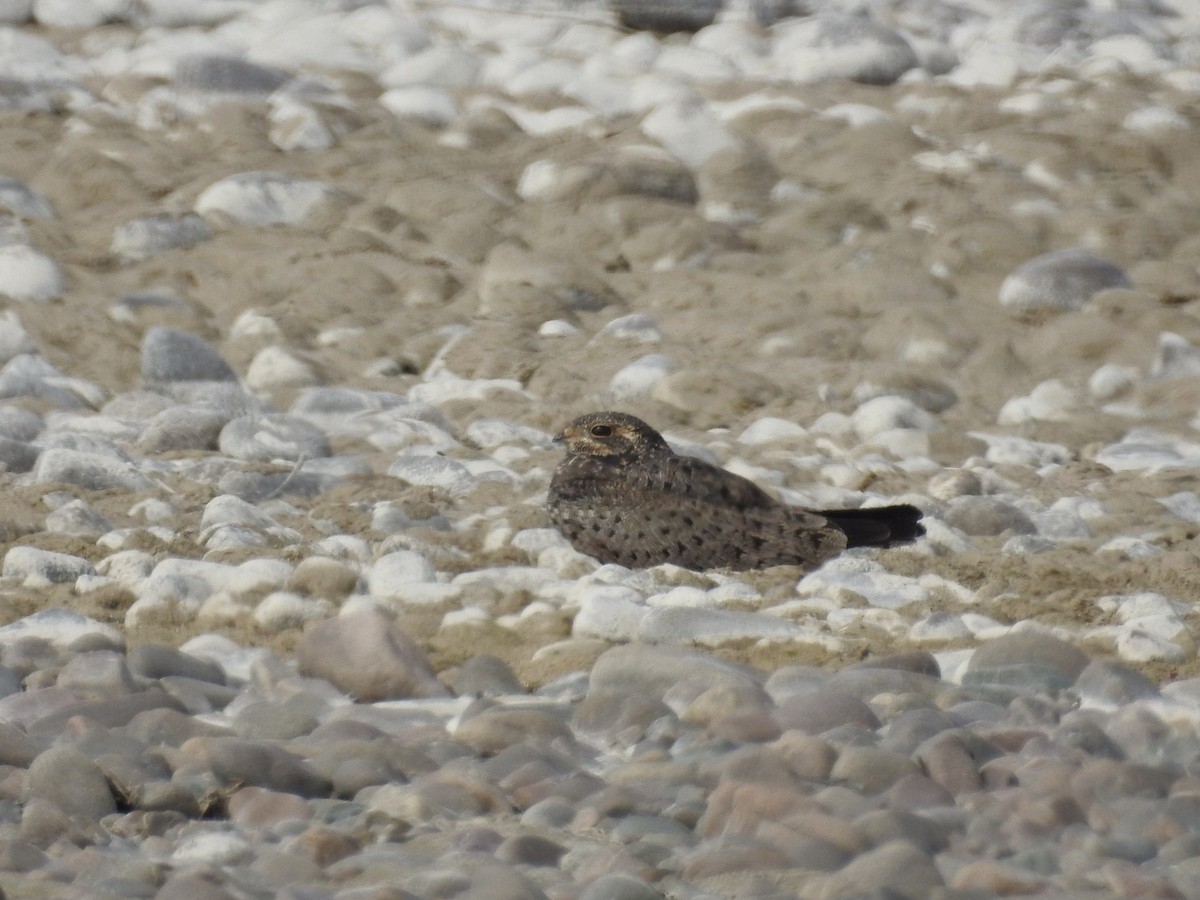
(368, 657)
(1026, 660)
(16, 748)
(485, 675)
(233, 761)
(17, 456)
(23, 562)
(21, 200)
(159, 661)
(898, 867)
(836, 45)
(1061, 280)
(151, 235)
(1108, 683)
(187, 427)
(821, 709)
(171, 355)
(666, 16)
(265, 198)
(96, 675)
(89, 470)
(19, 424)
(77, 518)
(213, 73)
(987, 516)
(30, 375)
(68, 779)
(272, 437)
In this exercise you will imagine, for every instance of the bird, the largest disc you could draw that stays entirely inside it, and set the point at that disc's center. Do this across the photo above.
(623, 496)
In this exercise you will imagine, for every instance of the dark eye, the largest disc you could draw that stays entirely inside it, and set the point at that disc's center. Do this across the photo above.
(601, 431)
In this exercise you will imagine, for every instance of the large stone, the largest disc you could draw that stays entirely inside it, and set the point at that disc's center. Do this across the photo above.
(366, 655)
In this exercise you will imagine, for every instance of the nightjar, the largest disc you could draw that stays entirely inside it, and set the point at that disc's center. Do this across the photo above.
(624, 496)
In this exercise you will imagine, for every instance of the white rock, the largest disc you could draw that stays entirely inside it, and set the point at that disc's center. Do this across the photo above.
(491, 433)
(264, 198)
(609, 612)
(1050, 401)
(1176, 357)
(684, 595)
(60, 627)
(1008, 450)
(718, 627)
(28, 276)
(862, 578)
(1185, 505)
(445, 387)
(78, 14)
(390, 573)
(770, 429)
(884, 413)
(274, 368)
(14, 339)
(236, 661)
(440, 65)
(639, 378)
(1155, 120)
(296, 126)
(557, 328)
(434, 471)
(40, 568)
(431, 105)
(690, 131)
(1149, 449)
(227, 509)
(283, 609)
(127, 567)
(1111, 381)
(635, 328)
(1137, 646)
(212, 848)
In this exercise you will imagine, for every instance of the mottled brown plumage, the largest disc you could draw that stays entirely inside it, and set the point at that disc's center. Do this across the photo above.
(624, 496)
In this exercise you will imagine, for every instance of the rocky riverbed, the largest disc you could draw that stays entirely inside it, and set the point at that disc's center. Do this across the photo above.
(295, 294)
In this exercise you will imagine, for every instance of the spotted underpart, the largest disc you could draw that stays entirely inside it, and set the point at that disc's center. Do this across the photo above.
(623, 496)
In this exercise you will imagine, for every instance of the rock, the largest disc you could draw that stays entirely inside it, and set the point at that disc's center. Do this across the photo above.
(366, 656)
(28, 276)
(151, 235)
(43, 567)
(666, 16)
(266, 198)
(898, 867)
(987, 516)
(21, 200)
(833, 45)
(65, 777)
(213, 73)
(169, 355)
(273, 437)
(1062, 280)
(1026, 659)
(59, 628)
(519, 285)
(93, 471)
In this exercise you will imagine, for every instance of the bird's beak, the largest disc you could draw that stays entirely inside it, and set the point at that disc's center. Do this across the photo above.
(560, 438)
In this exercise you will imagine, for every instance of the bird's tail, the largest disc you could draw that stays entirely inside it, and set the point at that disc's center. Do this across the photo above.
(878, 524)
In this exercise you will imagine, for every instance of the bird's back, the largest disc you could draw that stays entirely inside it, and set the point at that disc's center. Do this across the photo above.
(682, 510)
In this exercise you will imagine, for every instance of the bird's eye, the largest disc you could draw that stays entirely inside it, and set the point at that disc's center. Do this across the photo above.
(601, 431)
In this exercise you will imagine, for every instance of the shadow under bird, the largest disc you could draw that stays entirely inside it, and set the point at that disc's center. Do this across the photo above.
(622, 495)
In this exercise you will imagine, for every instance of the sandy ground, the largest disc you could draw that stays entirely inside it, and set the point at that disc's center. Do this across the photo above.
(786, 317)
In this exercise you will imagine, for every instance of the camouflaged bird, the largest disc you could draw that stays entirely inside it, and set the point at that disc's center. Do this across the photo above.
(624, 496)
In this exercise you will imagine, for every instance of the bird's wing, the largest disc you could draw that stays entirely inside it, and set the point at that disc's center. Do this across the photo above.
(686, 477)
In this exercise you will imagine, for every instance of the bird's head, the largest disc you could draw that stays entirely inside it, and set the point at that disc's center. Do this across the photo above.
(611, 436)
